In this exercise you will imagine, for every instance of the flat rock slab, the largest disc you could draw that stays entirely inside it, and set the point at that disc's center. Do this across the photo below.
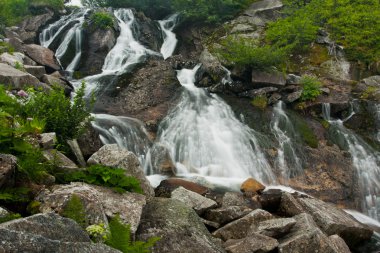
(42, 56)
(276, 227)
(168, 185)
(15, 78)
(254, 243)
(227, 214)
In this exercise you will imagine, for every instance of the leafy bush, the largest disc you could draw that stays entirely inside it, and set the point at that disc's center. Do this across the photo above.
(260, 102)
(119, 237)
(74, 210)
(9, 217)
(101, 19)
(248, 52)
(114, 178)
(311, 88)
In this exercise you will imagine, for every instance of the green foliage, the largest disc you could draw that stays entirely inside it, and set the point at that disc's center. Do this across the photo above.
(248, 52)
(101, 19)
(370, 90)
(9, 217)
(14, 195)
(68, 120)
(33, 207)
(74, 209)
(120, 238)
(260, 102)
(114, 178)
(306, 133)
(311, 88)
(97, 232)
(6, 47)
(19, 66)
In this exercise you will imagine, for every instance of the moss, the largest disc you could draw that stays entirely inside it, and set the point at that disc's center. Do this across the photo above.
(10, 217)
(260, 102)
(325, 124)
(369, 92)
(306, 133)
(33, 207)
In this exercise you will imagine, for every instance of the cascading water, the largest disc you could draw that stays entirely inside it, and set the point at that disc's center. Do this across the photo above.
(74, 3)
(205, 138)
(170, 40)
(366, 160)
(288, 163)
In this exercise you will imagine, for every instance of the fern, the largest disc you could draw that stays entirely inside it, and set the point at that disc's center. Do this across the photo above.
(74, 210)
(14, 195)
(120, 238)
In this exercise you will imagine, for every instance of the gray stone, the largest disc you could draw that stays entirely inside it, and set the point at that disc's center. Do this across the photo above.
(16, 78)
(293, 79)
(55, 81)
(276, 228)
(258, 92)
(325, 90)
(239, 229)
(99, 202)
(233, 199)
(74, 146)
(289, 206)
(37, 71)
(178, 226)
(42, 56)
(212, 66)
(113, 156)
(274, 98)
(61, 161)
(3, 212)
(333, 220)
(227, 214)
(294, 96)
(12, 59)
(193, 200)
(372, 81)
(30, 26)
(48, 140)
(8, 165)
(339, 245)
(161, 160)
(262, 78)
(254, 243)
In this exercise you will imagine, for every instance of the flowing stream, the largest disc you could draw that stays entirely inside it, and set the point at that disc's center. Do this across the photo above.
(170, 40)
(365, 159)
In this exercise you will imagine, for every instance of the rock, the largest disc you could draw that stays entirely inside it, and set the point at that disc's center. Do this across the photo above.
(99, 203)
(234, 199)
(274, 98)
(289, 206)
(178, 226)
(239, 229)
(47, 233)
(30, 26)
(305, 236)
(325, 90)
(338, 244)
(61, 161)
(264, 79)
(57, 82)
(148, 33)
(8, 165)
(212, 66)
(251, 187)
(258, 92)
(271, 199)
(12, 59)
(210, 223)
(16, 78)
(293, 79)
(43, 56)
(37, 71)
(294, 96)
(372, 81)
(48, 140)
(227, 214)
(193, 200)
(276, 228)
(77, 152)
(89, 142)
(168, 185)
(3, 213)
(113, 156)
(254, 243)
(335, 221)
(161, 160)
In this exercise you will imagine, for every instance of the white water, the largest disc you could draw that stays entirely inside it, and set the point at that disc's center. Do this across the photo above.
(365, 159)
(287, 162)
(377, 111)
(77, 3)
(170, 39)
(206, 139)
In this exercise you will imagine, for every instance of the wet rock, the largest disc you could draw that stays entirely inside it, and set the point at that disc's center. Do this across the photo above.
(62, 162)
(293, 79)
(238, 87)
(98, 202)
(43, 56)
(37, 71)
(276, 228)
(168, 185)
(271, 199)
(47, 233)
(113, 156)
(89, 142)
(16, 78)
(212, 66)
(274, 98)
(48, 140)
(289, 206)
(258, 92)
(251, 187)
(193, 200)
(227, 214)
(263, 79)
(148, 32)
(161, 160)
(335, 221)
(239, 229)
(305, 236)
(292, 97)
(8, 165)
(178, 226)
(254, 243)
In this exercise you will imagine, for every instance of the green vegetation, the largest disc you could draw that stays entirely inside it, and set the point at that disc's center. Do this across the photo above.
(260, 102)
(14, 195)
(74, 209)
(100, 19)
(311, 88)
(370, 90)
(306, 133)
(6, 47)
(97, 232)
(114, 178)
(248, 52)
(9, 217)
(119, 237)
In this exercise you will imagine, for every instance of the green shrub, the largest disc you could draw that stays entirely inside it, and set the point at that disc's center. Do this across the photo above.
(114, 178)
(101, 19)
(14, 195)
(248, 52)
(9, 217)
(119, 237)
(311, 88)
(74, 209)
(260, 102)
(6, 48)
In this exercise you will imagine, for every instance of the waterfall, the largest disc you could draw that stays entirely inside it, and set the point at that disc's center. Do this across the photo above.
(205, 138)
(288, 162)
(78, 49)
(77, 3)
(365, 159)
(170, 40)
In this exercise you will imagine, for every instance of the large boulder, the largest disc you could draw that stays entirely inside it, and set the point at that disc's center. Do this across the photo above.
(8, 165)
(17, 79)
(167, 186)
(98, 202)
(263, 79)
(47, 233)
(62, 162)
(31, 26)
(254, 243)
(161, 160)
(251, 187)
(276, 228)
(37, 71)
(212, 66)
(12, 59)
(178, 226)
(227, 214)
(57, 82)
(43, 56)
(113, 156)
(89, 142)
